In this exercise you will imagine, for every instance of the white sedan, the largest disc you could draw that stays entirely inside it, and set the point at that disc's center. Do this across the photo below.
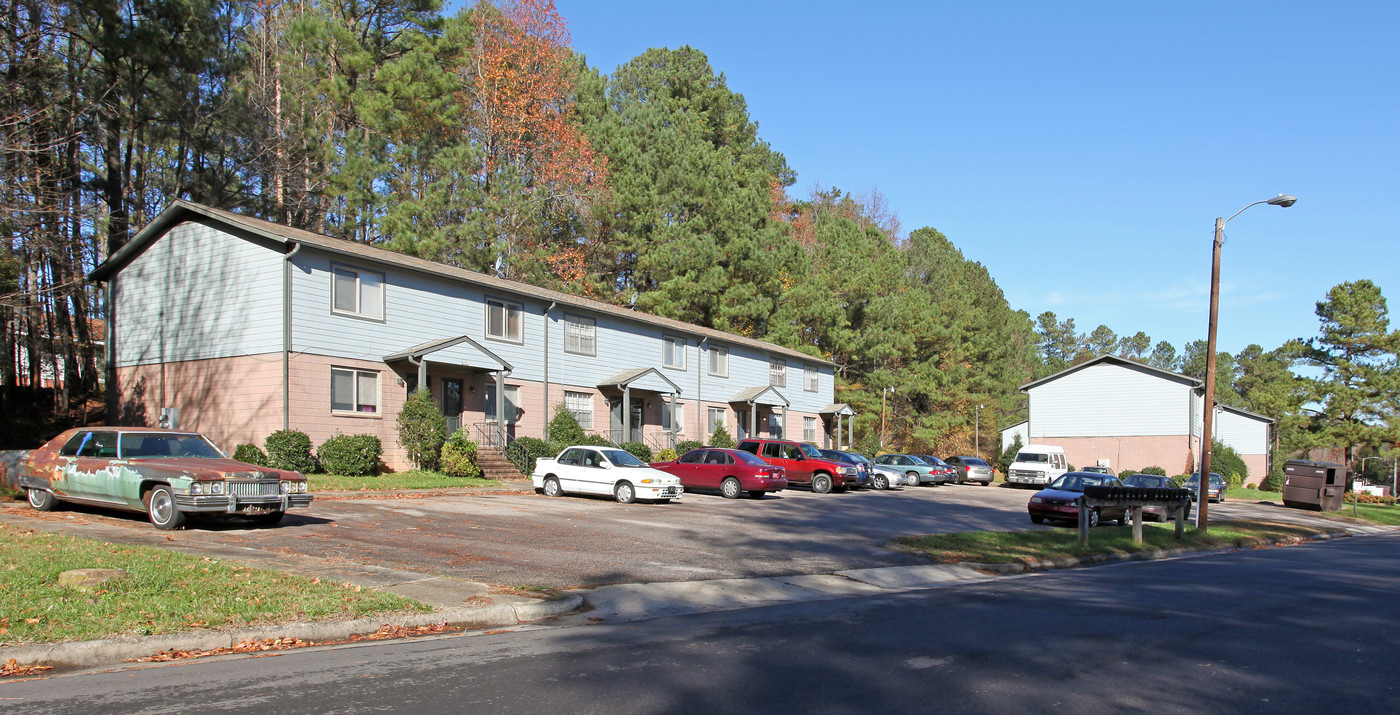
(604, 470)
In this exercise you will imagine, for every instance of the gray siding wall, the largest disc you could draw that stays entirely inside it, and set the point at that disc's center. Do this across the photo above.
(1109, 400)
(1245, 435)
(198, 293)
(420, 308)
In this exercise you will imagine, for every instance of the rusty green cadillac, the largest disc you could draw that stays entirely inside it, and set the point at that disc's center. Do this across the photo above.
(163, 473)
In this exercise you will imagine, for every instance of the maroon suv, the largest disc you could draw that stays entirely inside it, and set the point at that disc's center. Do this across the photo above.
(804, 464)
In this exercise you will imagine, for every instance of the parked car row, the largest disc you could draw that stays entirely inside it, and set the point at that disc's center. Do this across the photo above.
(756, 467)
(1060, 500)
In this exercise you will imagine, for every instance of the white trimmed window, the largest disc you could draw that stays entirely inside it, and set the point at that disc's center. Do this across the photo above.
(777, 372)
(775, 425)
(809, 378)
(809, 429)
(512, 403)
(581, 405)
(504, 320)
(719, 361)
(356, 292)
(580, 335)
(354, 391)
(716, 415)
(673, 352)
(666, 416)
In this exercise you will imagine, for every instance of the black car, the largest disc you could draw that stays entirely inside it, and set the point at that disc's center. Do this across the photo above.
(861, 463)
(1215, 492)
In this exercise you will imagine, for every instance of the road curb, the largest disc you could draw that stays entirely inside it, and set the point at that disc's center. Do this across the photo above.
(1068, 562)
(110, 651)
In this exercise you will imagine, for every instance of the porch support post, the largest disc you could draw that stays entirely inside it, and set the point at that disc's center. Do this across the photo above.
(674, 427)
(753, 420)
(838, 432)
(626, 414)
(500, 409)
(422, 373)
(850, 432)
(782, 425)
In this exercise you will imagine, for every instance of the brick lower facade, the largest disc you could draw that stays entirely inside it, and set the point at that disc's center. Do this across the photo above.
(1172, 453)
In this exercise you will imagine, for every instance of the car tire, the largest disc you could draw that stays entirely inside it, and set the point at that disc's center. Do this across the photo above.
(756, 494)
(625, 493)
(1037, 519)
(1093, 517)
(42, 500)
(913, 478)
(821, 483)
(730, 488)
(160, 507)
(552, 488)
(880, 482)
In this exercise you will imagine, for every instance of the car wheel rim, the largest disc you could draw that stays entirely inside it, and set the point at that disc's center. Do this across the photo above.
(624, 493)
(881, 483)
(551, 488)
(161, 507)
(36, 498)
(731, 488)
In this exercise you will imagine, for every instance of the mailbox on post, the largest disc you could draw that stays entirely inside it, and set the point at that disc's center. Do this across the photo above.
(1319, 486)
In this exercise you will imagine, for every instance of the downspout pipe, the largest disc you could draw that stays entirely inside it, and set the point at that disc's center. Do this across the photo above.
(545, 414)
(700, 355)
(287, 336)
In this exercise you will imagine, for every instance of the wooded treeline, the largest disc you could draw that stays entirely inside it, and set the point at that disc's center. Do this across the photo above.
(480, 140)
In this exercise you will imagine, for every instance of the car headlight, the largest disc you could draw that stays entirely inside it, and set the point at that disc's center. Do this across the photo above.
(1037, 500)
(286, 487)
(196, 488)
(847, 470)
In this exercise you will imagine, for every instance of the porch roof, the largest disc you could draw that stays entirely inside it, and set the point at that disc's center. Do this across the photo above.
(647, 378)
(761, 395)
(837, 408)
(419, 351)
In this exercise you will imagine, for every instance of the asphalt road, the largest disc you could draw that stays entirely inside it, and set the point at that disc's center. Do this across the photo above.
(531, 540)
(1308, 628)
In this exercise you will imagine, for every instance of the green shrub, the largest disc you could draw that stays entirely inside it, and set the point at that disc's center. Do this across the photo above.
(1274, 481)
(1127, 473)
(351, 455)
(1180, 479)
(459, 456)
(1008, 455)
(1227, 463)
(721, 438)
(595, 440)
(1070, 467)
(564, 427)
(290, 449)
(525, 450)
(638, 450)
(251, 454)
(686, 446)
(1234, 480)
(666, 455)
(1154, 470)
(422, 429)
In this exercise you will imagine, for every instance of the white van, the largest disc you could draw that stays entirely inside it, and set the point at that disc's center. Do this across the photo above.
(1037, 464)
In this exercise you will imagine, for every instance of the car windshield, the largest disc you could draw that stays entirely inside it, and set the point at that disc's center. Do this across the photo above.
(1073, 482)
(621, 458)
(747, 458)
(1215, 479)
(810, 451)
(1138, 480)
(838, 456)
(1033, 458)
(149, 445)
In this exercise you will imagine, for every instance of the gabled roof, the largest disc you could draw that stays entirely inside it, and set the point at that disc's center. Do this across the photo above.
(627, 377)
(181, 210)
(752, 394)
(418, 351)
(1245, 413)
(837, 408)
(1114, 359)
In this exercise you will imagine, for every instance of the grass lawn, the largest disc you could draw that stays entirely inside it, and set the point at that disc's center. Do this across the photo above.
(1243, 494)
(414, 479)
(1005, 547)
(1387, 514)
(165, 592)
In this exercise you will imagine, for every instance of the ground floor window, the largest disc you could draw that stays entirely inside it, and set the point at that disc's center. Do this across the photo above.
(809, 429)
(716, 420)
(775, 425)
(581, 405)
(666, 417)
(354, 390)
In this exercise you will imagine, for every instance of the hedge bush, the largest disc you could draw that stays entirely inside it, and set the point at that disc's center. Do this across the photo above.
(686, 446)
(290, 449)
(666, 455)
(351, 455)
(1008, 455)
(564, 427)
(1274, 481)
(1227, 463)
(595, 440)
(459, 457)
(251, 454)
(638, 450)
(720, 438)
(1154, 470)
(422, 429)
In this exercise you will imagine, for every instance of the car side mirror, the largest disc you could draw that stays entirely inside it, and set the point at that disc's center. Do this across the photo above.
(605, 464)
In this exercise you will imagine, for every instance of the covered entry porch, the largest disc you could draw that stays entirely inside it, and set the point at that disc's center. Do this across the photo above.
(467, 382)
(762, 412)
(642, 407)
(834, 417)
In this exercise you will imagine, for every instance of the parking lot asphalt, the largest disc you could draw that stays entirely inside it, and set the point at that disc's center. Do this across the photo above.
(523, 539)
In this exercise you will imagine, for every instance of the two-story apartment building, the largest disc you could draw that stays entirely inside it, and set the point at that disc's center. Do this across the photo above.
(1133, 416)
(242, 327)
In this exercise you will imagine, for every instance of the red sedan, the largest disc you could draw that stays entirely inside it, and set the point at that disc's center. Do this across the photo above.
(731, 471)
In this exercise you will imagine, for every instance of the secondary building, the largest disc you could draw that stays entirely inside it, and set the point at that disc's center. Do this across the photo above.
(1129, 415)
(238, 327)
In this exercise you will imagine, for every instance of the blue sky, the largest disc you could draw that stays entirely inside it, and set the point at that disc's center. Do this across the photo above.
(1082, 151)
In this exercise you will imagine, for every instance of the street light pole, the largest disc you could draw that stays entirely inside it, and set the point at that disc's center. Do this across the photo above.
(977, 433)
(1208, 408)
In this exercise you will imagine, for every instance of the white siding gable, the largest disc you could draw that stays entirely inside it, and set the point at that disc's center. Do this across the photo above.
(1242, 433)
(1109, 399)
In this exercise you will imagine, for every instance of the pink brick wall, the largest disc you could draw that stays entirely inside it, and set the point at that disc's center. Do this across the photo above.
(231, 400)
(1171, 453)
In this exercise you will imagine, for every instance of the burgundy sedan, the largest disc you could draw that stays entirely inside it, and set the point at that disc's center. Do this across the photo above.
(1060, 499)
(731, 471)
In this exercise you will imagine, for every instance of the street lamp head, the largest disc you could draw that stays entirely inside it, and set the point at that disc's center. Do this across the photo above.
(1283, 200)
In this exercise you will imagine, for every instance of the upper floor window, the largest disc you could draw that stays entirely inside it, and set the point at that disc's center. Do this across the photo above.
(719, 361)
(809, 378)
(357, 292)
(777, 373)
(354, 390)
(673, 352)
(580, 335)
(503, 320)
